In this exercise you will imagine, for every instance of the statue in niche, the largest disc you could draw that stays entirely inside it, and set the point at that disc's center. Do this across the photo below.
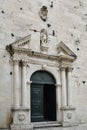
(43, 13)
(43, 37)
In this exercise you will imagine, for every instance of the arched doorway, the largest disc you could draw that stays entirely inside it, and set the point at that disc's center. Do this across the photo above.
(43, 97)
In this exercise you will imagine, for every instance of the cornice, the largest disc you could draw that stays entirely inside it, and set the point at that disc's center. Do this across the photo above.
(29, 52)
(66, 57)
(43, 56)
(22, 41)
(19, 48)
(62, 47)
(17, 45)
(50, 64)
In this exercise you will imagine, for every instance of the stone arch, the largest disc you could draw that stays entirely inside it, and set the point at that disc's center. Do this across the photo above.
(51, 78)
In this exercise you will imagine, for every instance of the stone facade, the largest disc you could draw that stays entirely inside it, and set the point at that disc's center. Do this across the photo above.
(43, 35)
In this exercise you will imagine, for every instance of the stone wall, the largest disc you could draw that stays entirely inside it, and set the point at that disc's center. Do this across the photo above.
(19, 18)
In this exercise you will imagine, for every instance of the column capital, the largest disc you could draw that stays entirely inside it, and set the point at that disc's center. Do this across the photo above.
(15, 61)
(69, 69)
(24, 62)
(29, 82)
(58, 85)
(62, 68)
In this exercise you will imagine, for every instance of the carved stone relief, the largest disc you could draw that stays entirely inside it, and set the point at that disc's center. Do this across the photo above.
(43, 13)
(69, 115)
(43, 36)
(21, 117)
(43, 40)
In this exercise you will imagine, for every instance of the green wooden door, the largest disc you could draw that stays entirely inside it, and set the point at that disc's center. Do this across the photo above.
(50, 102)
(37, 112)
(43, 97)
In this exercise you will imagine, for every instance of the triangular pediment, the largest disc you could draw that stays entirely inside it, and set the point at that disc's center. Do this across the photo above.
(65, 51)
(22, 44)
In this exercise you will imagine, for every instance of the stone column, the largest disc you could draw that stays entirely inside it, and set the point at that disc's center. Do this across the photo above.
(69, 71)
(58, 101)
(56, 85)
(29, 100)
(24, 91)
(16, 88)
(63, 78)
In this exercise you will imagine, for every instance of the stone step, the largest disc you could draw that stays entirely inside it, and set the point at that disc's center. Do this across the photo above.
(46, 124)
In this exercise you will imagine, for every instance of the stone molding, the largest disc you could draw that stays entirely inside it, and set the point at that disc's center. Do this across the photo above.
(66, 108)
(66, 67)
(62, 68)
(41, 55)
(58, 85)
(66, 58)
(18, 48)
(61, 46)
(33, 61)
(20, 108)
(16, 61)
(22, 41)
(18, 45)
(29, 82)
(44, 48)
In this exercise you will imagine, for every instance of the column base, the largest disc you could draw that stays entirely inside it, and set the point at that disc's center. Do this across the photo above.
(68, 116)
(21, 119)
(20, 116)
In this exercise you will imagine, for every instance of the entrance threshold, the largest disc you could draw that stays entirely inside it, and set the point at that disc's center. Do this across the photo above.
(46, 124)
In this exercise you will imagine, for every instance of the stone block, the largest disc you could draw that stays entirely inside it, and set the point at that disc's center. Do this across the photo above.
(21, 116)
(21, 127)
(68, 116)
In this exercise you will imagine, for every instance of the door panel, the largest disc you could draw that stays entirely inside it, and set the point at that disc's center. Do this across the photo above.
(37, 112)
(43, 102)
(50, 102)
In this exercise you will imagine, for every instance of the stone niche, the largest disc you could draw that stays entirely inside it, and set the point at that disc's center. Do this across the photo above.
(25, 63)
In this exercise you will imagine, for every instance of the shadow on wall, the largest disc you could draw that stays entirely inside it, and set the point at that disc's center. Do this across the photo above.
(6, 121)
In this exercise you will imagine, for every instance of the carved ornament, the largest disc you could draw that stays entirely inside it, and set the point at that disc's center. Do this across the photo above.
(65, 53)
(43, 40)
(18, 46)
(43, 13)
(43, 37)
(69, 115)
(21, 117)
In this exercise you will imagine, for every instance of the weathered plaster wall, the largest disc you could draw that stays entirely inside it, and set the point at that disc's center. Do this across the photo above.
(19, 18)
